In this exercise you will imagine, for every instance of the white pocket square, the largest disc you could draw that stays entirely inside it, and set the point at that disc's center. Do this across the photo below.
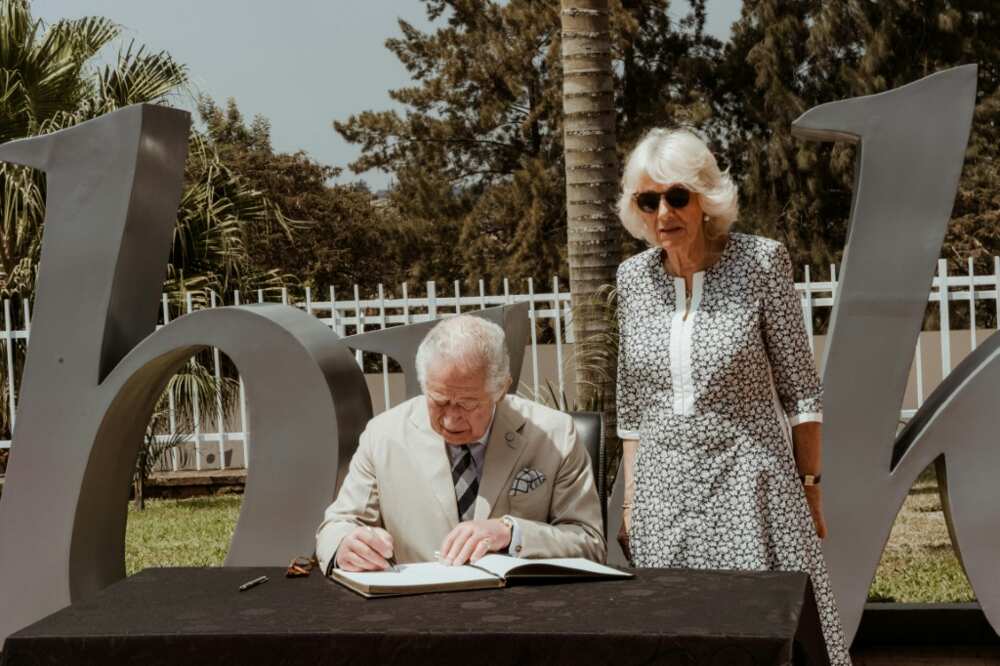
(526, 481)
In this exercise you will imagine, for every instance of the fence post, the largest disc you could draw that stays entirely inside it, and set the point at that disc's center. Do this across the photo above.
(920, 373)
(359, 327)
(195, 397)
(996, 288)
(972, 306)
(559, 353)
(808, 310)
(336, 321)
(244, 428)
(26, 304)
(11, 382)
(534, 338)
(458, 297)
(385, 362)
(943, 312)
(406, 306)
(220, 412)
(432, 308)
(171, 404)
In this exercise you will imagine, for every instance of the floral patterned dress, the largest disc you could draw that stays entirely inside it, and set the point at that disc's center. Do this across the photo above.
(709, 384)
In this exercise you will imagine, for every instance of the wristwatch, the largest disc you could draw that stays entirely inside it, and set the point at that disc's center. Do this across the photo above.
(509, 522)
(810, 479)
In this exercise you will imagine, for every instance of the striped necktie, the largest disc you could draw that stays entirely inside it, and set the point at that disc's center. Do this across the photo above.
(466, 484)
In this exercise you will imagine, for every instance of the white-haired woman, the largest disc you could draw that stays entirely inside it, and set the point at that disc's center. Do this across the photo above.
(714, 366)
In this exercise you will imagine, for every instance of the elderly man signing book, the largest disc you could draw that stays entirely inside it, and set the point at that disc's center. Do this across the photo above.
(463, 470)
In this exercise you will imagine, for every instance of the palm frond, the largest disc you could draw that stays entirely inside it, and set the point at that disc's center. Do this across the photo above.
(139, 76)
(90, 34)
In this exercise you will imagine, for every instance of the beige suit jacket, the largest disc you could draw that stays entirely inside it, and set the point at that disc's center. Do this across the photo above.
(400, 479)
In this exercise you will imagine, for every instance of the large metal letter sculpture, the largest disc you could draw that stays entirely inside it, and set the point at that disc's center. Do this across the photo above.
(912, 144)
(95, 369)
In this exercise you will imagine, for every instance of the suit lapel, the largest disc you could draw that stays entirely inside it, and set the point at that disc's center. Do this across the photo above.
(431, 460)
(503, 450)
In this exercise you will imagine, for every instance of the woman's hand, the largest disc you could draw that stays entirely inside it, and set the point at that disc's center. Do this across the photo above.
(807, 438)
(814, 497)
(629, 449)
(623, 533)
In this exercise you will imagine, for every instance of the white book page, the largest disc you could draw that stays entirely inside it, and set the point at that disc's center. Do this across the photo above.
(501, 565)
(419, 573)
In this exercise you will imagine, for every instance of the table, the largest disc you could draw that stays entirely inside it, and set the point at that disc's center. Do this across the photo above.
(184, 616)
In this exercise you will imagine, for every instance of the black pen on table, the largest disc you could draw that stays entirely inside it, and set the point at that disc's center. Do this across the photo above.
(253, 583)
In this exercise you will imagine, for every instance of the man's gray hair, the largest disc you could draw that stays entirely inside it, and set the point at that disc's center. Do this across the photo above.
(678, 156)
(473, 342)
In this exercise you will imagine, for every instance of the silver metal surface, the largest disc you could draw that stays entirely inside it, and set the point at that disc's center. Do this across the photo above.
(911, 149)
(90, 381)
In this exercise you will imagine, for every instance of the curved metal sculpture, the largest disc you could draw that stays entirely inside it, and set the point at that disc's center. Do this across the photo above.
(912, 146)
(92, 375)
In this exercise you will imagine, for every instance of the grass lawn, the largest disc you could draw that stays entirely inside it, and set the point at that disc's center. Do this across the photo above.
(918, 564)
(191, 532)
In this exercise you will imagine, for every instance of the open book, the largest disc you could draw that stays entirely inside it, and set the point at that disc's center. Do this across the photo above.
(490, 571)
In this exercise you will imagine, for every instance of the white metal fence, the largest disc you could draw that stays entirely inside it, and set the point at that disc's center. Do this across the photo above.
(219, 439)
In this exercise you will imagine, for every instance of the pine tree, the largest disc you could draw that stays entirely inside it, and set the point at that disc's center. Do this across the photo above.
(478, 153)
(787, 56)
(341, 236)
(795, 191)
(899, 42)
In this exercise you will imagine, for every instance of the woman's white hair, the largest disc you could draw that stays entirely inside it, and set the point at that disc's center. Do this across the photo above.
(472, 342)
(678, 157)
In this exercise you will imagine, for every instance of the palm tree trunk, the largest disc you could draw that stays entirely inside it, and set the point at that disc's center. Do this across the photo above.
(591, 187)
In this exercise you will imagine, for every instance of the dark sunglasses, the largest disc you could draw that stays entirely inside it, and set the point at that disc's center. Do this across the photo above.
(649, 202)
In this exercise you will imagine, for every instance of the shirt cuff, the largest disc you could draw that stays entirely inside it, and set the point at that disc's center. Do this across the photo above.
(628, 434)
(807, 417)
(514, 549)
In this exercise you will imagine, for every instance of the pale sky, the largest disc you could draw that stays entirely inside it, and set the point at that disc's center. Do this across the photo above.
(300, 63)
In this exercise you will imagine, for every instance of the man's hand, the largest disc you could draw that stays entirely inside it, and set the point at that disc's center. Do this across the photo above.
(365, 549)
(472, 539)
(815, 499)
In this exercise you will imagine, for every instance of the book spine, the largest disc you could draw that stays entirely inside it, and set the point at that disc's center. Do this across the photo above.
(495, 575)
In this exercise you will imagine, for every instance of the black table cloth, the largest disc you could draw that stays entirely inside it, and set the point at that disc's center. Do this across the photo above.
(184, 616)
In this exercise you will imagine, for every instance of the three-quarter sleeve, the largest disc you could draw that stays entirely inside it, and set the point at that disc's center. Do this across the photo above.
(786, 341)
(629, 406)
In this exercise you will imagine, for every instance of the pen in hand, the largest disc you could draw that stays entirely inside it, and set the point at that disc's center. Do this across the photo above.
(253, 583)
(391, 559)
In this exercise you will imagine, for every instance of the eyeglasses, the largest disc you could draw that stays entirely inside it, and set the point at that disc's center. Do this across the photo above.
(300, 566)
(649, 202)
